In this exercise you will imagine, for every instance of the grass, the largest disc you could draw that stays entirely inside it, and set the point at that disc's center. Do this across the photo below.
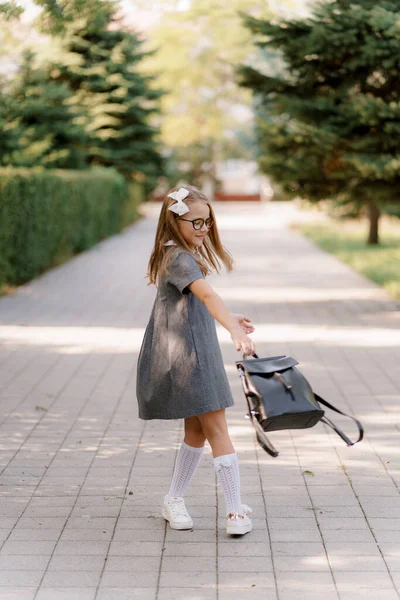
(346, 239)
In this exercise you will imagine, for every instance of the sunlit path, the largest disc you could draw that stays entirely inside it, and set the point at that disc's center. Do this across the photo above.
(82, 478)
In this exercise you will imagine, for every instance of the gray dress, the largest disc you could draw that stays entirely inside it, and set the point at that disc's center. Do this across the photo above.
(180, 370)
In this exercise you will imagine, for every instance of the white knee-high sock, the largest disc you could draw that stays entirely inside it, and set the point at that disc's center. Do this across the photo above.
(227, 467)
(186, 463)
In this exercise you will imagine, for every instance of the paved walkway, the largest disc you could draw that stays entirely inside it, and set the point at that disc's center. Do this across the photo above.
(83, 478)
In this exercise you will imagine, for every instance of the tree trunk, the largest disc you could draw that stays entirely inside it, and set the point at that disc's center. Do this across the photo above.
(373, 214)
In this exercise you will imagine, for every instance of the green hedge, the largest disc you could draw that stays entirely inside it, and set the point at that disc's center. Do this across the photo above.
(48, 215)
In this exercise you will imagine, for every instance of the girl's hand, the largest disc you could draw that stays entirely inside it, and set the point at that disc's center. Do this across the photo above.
(244, 322)
(242, 341)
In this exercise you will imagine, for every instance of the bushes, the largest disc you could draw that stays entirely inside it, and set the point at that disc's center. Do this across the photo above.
(48, 215)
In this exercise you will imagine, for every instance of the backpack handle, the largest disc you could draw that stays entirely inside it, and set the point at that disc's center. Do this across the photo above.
(254, 355)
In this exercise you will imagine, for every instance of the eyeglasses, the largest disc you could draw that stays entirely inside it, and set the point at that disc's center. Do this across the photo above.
(198, 223)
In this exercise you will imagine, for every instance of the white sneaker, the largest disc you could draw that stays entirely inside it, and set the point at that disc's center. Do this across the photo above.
(239, 523)
(246, 509)
(174, 511)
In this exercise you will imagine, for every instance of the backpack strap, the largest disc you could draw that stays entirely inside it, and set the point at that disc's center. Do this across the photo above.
(262, 438)
(260, 433)
(335, 427)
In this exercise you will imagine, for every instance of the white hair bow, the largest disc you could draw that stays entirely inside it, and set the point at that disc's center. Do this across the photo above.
(180, 208)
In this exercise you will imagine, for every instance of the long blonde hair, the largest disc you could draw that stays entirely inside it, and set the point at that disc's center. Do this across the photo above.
(167, 229)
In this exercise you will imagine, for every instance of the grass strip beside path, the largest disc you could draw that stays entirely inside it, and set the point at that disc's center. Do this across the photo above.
(347, 241)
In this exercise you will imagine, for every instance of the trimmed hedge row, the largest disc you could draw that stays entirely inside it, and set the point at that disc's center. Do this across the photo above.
(49, 215)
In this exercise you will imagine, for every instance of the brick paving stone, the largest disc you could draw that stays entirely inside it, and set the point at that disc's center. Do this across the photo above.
(242, 580)
(369, 595)
(185, 593)
(70, 579)
(117, 593)
(130, 580)
(178, 578)
(362, 580)
(60, 593)
(250, 594)
(82, 478)
(22, 593)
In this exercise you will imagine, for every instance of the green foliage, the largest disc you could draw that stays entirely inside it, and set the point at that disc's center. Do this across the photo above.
(101, 68)
(8, 127)
(43, 117)
(329, 124)
(45, 215)
(136, 195)
(93, 107)
(10, 10)
(58, 14)
(393, 211)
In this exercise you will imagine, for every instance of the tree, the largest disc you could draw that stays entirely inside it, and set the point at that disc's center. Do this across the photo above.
(48, 128)
(329, 124)
(204, 112)
(100, 67)
(9, 127)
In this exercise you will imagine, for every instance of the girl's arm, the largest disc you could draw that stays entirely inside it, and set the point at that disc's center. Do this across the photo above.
(218, 310)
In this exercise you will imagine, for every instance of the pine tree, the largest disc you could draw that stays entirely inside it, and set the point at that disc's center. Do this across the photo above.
(48, 122)
(101, 70)
(9, 127)
(329, 124)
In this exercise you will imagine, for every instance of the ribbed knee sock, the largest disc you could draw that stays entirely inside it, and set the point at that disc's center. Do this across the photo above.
(186, 463)
(227, 467)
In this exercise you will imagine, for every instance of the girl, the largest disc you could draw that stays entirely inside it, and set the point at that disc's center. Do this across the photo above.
(180, 370)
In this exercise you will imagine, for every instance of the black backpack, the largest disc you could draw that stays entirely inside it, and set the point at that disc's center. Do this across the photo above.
(280, 397)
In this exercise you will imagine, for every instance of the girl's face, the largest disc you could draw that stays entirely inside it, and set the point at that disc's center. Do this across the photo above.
(193, 237)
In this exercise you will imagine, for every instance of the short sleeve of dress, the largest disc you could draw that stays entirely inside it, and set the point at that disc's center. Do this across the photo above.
(183, 270)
